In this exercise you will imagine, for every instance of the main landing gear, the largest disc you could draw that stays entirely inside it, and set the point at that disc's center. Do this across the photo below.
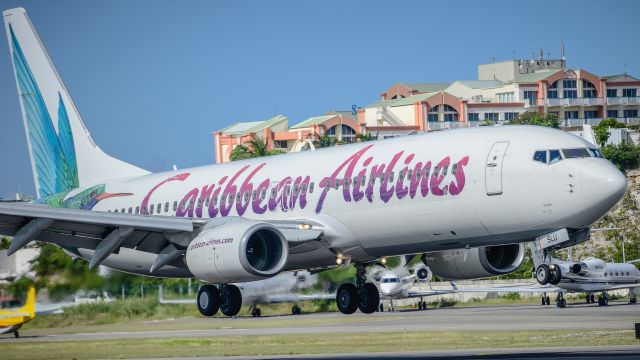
(362, 295)
(591, 298)
(545, 299)
(603, 300)
(548, 274)
(226, 298)
(560, 301)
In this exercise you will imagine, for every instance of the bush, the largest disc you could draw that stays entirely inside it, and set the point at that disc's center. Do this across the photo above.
(624, 156)
(536, 118)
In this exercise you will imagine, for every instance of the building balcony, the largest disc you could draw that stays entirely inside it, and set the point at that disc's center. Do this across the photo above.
(593, 122)
(623, 100)
(442, 125)
(575, 102)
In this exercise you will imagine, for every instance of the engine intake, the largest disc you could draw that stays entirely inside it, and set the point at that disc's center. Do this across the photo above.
(237, 251)
(460, 264)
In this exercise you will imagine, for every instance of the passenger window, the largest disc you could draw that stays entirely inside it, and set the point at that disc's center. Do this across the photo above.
(435, 171)
(364, 181)
(575, 153)
(311, 187)
(116, 210)
(255, 194)
(444, 170)
(454, 169)
(175, 205)
(541, 156)
(273, 193)
(130, 210)
(123, 210)
(206, 201)
(151, 208)
(303, 188)
(159, 208)
(554, 156)
(336, 184)
(166, 207)
(296, 190)
(137, 209)
(410, 173)
(263, 194)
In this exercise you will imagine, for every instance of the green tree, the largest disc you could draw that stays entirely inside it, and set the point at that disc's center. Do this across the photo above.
(4, 243)
(255, 148)
(322, 141)
(624, 156)
(536, 118)
(365, 137)
(602, 130)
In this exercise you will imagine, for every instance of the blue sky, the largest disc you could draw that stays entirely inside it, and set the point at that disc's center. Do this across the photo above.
(154, 79)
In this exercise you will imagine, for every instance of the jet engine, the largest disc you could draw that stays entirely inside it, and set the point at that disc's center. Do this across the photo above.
(237, 251)
(485, 261)
(589, 266)
(423, 273)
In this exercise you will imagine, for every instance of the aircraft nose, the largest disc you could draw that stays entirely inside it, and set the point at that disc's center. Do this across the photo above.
(602, 182)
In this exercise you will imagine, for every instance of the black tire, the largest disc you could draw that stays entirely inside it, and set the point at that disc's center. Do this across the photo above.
(563, 303)
(600, 301)
(548, 300)
(16, 334)
(230, 300)
(588, 299)
(543, 274)
(605, 301)
(555, 276)
(593, 298)
(258, 312)
(370, 300)
(424, 305)
(208, 300)
(347, 298)
(295, 310)
(381, 307)
(633, 300)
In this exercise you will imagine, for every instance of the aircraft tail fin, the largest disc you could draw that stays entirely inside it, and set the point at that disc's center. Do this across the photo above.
(63, 154)
(29, 306)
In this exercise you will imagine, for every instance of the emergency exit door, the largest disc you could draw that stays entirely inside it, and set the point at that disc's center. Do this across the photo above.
(493, 170)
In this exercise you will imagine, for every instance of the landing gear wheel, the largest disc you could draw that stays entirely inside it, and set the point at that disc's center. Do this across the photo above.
(561, 303)
(230, 300)
(256, 312)
(16, 334)
(381, 307)
(543, 274)
(424, 305)
(208, 300)
(633, 300)
(295, 310)
(606, 301)
(593, 298)
(347, 298)
(369, 298)
(555, 275)
(588, 299)
(548, 300)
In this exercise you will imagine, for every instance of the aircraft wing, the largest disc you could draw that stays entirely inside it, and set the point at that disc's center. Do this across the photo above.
(520, 288)
(106, 232)
(425, 293)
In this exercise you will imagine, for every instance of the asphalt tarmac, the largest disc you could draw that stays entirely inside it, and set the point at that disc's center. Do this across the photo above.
(618, 315)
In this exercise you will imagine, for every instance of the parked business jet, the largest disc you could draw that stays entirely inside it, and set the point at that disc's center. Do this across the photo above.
(470, 194)
(587, 276)
(282, 288)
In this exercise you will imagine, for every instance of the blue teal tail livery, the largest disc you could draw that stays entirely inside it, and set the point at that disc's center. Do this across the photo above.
(63, 154)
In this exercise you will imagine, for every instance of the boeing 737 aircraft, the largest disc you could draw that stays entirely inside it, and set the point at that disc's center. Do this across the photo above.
(466, 197)
(587, 276)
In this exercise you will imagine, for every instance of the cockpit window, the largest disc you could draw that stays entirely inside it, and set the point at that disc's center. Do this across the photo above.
(596, 153)
(540, 156)
(554, 156)
(575, 153)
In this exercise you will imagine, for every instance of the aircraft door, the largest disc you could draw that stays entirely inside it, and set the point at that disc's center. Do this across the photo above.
(493, 169)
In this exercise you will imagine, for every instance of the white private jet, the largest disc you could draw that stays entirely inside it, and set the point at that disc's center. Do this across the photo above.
(587, 276)
(282, 288)
(470, 194)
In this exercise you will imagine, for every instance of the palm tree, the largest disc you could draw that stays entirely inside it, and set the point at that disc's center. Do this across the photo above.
(254, 148)
(365, 137)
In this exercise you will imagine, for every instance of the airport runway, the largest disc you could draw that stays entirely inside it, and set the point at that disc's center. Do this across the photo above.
(490, 318)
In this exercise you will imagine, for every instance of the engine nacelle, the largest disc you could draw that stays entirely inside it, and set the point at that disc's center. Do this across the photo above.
(589, 266)
(423, 273)
(237, 251)
(477, 263)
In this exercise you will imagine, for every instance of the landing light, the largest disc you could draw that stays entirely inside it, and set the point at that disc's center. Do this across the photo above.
(304, 227)
(383, 260)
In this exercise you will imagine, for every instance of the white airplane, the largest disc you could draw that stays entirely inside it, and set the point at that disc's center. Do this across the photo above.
(587, 276)
(469, 194)
(282, 288)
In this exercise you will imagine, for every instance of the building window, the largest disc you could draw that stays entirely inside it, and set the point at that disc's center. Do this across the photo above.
(612, 93)
(552, 93)
(570, 114)
(570, 90)
(280, 144)
(531, 97)
(630, 113)
(510, 115)
(450, 114)
(491, 116)
(506, 97)
(590, 114)
(612, 114)
(588, 90)
(629, 93)
(348, 134)
(569, 83)
(474, 117)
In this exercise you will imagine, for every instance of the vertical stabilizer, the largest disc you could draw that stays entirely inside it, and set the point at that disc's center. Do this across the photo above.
(63, 154)
(29, 306)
